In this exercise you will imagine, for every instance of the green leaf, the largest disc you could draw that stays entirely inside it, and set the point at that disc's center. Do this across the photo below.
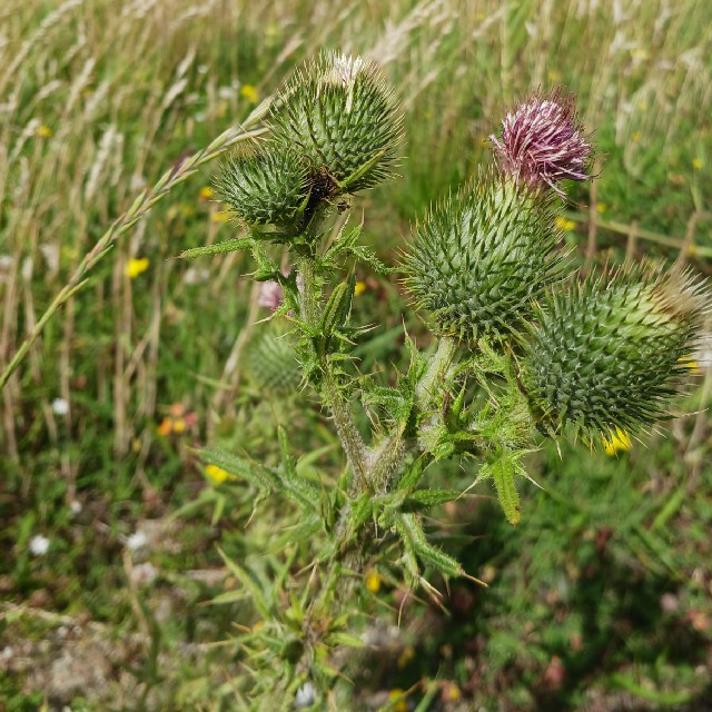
(229, 597)
(409, 528)
(432, 497)
(218, 248)
(245, 578)
(345, 639)
(338, 307)
(412, 475)
(255, 474)
(367, 255)
(301, 491)
(503, 471)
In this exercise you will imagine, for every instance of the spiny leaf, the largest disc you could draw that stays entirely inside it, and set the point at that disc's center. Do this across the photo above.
(257, 595)
(301, 491)
(256, 474)
(431, 497)
(412, 475)
(410, 530)
(503, 471)
(345, 639)
(338, 307)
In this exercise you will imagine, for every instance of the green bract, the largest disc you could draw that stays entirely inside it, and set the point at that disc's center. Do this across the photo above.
(267, 183)
(479, 258)
(341, 115)
(609, 355)
(272, 364)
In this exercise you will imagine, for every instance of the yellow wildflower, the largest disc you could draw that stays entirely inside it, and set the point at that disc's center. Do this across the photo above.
(564, 223)
(179, 425)
(398, 701)
(136, 266)
(216, 474)
(697, 163)
(250, 93)
(690, 363)
(206, 193)
(359, 288)
(373, 581)
(617, 440)
(601, 208)
(451, 692)
(43, 131)
(220, 216)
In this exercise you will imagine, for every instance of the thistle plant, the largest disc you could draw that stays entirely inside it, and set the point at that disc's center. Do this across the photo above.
(524, 350)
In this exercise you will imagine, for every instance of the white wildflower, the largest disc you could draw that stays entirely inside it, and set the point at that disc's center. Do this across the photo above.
(137, 540)
(39, 545)
(60, 406)
(305, 695)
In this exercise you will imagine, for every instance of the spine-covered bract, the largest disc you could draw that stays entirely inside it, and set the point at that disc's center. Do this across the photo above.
(265, 183)
(340, 114)
(480, 257)
(607, 356)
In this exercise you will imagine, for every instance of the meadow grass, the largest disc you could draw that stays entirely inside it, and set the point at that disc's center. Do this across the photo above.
(112, 120)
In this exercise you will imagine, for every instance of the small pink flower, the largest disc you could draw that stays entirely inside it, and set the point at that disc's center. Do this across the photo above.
(271, 295)
(543, 142)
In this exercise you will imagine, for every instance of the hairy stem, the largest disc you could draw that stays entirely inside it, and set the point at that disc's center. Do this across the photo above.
(340, 408)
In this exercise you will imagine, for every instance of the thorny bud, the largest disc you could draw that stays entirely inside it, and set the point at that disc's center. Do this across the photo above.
(607, 356)
(264, 183)
(272, 364)
(480, 257)
(342, 116)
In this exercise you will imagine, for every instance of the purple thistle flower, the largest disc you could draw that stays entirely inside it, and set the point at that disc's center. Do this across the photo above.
(543, 142)
(271, 295)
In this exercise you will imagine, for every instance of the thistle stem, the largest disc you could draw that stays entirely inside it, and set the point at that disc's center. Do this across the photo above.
(348, 433)
(437, 368)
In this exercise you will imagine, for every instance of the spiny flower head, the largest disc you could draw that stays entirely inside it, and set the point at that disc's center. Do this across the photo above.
(543, 142)
(264, 184)
(606, 357)
(480, 257)
(272, 364)
(341, 115)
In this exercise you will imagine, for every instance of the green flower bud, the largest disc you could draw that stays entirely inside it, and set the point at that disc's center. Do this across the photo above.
(342, 116)
(606, 357)
(264, 184)
(479, 258)
(272, 366)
